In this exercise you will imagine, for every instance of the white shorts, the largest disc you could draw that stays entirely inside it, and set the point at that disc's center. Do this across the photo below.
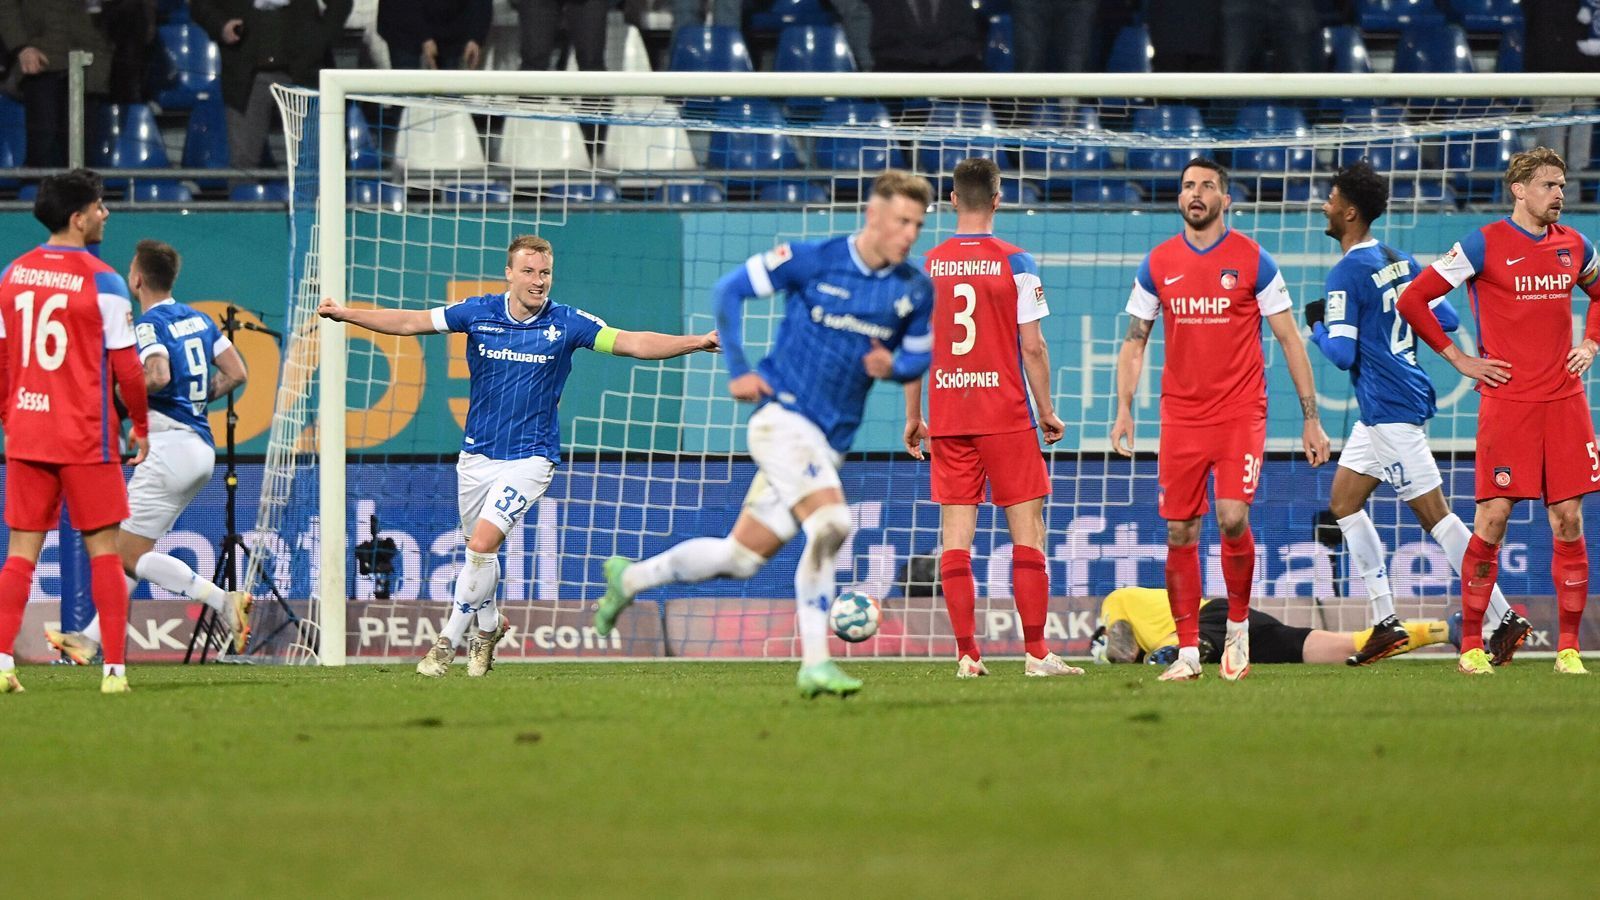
(795, 461)
(499, 490)
(1397, 453)
(179, 465)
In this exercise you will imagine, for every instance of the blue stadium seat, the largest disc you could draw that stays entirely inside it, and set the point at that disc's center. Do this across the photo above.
(474, 193)
(260, 192)
(734, 149)
(787, 13)
(186, 66)
(791, 191)
(1345, 50)
(133, 141)
(371, 192)
(865, 155)
(1131, 51)
(1055, 159)
(709, 48)
(172, 11)
(1513, 47)
(159, 190)
(1397, 15)
(1435, 47)
(1019, 191)
(939, 159)
(1111, 193)
(814, 48)
(1170, 123)
(1492, 16)
(205, 140)
(688, 192)
(1386, 155)
(1477, 160)
(1427, 190)
(13, 138)
(581, 192)
(1000, 54)
(363, 150)
(1306, 190)
(1263, 119)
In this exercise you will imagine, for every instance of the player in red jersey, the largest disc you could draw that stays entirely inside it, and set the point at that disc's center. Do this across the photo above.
(1535, 431)
(988, 355)
(1212, 286)
(66, 326)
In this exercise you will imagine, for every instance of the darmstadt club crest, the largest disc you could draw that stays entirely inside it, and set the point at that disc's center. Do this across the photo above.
(1230, 279)
(1502, 476)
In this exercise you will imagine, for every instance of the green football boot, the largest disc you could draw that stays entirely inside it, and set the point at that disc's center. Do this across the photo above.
(825, 678)
(616, 599)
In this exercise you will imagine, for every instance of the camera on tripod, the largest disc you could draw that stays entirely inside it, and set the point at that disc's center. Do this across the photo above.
(375, 558)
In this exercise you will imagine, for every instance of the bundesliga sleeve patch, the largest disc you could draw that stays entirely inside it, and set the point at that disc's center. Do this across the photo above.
(777, 256)
(146, 334)
(1336, 304)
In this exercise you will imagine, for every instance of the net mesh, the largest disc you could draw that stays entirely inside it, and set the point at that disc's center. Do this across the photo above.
(649, 201)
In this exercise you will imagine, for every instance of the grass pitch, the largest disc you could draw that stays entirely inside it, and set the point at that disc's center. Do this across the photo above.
(706, 779)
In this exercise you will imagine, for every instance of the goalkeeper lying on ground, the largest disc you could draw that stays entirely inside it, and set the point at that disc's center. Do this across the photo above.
(1136, 625)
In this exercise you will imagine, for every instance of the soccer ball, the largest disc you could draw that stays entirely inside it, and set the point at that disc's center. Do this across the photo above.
(854, 616)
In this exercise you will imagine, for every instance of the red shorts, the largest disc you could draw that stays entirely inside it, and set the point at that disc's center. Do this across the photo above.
(1528, 450)
(96, 495)
(1011, 463)
(1188, 453)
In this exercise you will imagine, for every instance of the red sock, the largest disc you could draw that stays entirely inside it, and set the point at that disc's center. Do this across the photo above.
(1569, 566)
(16, 580)
(1239, 572)
(1480, 566)
(109, 589)
(960, 598)
(1030, 582)
(1183, 592)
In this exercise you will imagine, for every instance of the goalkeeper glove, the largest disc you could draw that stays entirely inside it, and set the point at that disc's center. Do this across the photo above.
(1316, 311)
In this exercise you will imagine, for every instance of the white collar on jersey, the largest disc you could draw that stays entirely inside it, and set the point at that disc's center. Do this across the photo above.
(861, 264)
(1369, 242)
(163, 302)
(505, 300)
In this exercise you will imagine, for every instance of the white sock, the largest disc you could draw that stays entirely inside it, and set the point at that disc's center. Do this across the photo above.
(455, 628)
(481, 575)
(172, 574)
(1190, 655)
(1453, 535)
(133, 583)
(92, 630)
(115, 669)
(826, 529)
(1366, 551)
(1236, 627)
(693, 561)
(7, 663)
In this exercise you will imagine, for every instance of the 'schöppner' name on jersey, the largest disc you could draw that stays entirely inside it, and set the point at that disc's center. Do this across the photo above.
(63, 281)
(962, 379)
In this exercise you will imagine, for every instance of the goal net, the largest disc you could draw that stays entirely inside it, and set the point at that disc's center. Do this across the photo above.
(407, 188)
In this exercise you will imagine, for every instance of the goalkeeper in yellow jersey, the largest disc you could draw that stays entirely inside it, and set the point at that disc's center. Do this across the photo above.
(1136, 625)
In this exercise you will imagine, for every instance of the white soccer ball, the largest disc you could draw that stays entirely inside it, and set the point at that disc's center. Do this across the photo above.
(855, 616)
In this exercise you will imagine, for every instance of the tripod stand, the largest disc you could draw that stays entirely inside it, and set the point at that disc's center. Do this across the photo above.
(209, 632)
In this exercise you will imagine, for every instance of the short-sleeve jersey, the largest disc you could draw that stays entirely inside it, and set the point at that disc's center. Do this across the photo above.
(62, 311)
(190, 341)
(1521, 290)
(834, 309)
(984, 289)
(1362, 289)
(517, 370)
(1211, 301)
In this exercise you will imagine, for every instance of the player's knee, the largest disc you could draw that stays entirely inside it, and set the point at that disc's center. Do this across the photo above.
(1233, 523)
(742, 561)
(1567, 524)
(1343, 508)
(1183, 533)
(827, 528)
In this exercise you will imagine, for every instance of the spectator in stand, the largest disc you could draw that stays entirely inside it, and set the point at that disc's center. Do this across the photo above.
(130, 27)
(40, 34)
(1290, 29)
(1054, 35)
(584, 22)
(266, 42)
(927, 36)
(1184, 34)
(1559, 40)
(855, 17)
(435, 34)
(693, 12)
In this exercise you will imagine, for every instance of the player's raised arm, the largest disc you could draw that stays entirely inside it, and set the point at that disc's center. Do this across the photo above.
(1416, 307)
(653, 344)
(1312, 438)
(383, 321)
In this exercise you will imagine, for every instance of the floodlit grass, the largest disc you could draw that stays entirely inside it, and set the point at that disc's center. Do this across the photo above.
(706, 779)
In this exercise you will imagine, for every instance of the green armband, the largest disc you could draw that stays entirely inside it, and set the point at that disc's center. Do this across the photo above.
(606, 339)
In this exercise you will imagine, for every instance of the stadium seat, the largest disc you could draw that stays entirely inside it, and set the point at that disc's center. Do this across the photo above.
(788, 13)
(579, 192)
(205, 140)
(739, 149)
(814, 48)
(709, 48)
(1059, 163)
(1385, 155)
(13, 138)
(1492, 16)
(1172, 124)
(939, 158)
(541, 144)
(1435, 47)
(688, 193)
(186, 67)
(1306, 190)
(137, 143)
(1000, 54)
(1266, 119)
(370, 192)
(1513, 47)
(1477, 161)
(1345, 50)
(1019, 191)
(438, 140)
(1397, 15)
(260, 192)
(474, 193)
(172, 11)
(158, 190)
(1111, 193)
(1132, 50)
(358, 140)
(1427, 190)
(791, 191)
(647, 148)
(864, 155)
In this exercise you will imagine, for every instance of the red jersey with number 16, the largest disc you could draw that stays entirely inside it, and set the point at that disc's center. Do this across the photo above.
(984, 290)
(61, 311)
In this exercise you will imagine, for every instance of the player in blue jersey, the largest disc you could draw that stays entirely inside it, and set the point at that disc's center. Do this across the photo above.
(1359, 330)
(178, 346)
(519, 351)
(856, 310)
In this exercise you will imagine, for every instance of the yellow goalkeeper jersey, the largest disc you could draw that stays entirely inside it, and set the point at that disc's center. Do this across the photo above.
(1147, 610)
